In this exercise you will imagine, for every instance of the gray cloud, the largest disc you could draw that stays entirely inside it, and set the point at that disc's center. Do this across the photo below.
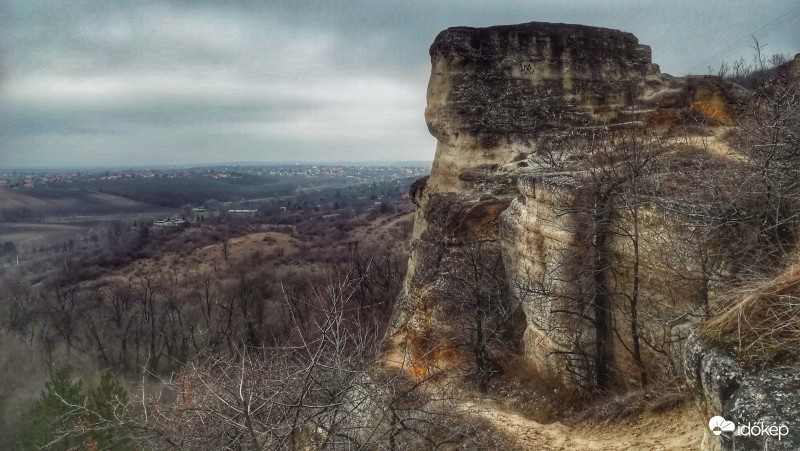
(113, 82)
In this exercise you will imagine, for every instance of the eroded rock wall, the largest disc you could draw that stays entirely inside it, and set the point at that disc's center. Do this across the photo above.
(493, 90)
(499, 99)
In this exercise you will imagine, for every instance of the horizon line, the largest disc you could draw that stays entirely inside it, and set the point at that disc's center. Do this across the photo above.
(228, 163)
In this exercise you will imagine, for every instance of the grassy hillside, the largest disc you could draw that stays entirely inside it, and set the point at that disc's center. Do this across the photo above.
(38, 203)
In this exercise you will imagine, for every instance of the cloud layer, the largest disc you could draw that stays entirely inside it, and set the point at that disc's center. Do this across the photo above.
(134, 83)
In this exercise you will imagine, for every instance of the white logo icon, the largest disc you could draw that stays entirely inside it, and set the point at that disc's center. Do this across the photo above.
(718, 425)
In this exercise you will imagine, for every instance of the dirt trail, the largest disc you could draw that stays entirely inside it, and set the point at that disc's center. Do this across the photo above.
(713, 144)
(680, 429)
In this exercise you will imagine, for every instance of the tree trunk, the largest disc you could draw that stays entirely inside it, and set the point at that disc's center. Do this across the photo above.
(601, 299)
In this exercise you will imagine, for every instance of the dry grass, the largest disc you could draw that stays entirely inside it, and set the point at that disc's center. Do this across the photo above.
(631, 406)
(395, 228)
(762, 327)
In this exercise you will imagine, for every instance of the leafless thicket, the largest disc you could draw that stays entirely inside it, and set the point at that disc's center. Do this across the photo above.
(323, 386)
(750, 74)
(477, 293)
(593, 284)
(659, 230)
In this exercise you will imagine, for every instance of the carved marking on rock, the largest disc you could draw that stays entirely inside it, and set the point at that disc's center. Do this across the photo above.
(527, 68)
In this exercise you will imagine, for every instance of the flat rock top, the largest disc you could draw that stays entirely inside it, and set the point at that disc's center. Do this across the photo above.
(506, 83)
(467, 40)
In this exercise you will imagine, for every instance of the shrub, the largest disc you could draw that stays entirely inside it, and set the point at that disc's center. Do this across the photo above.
(55, 411)
(762, 327)
(66, 417)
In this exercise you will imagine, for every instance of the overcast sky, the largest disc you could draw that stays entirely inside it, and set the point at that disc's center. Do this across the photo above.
(113, 83)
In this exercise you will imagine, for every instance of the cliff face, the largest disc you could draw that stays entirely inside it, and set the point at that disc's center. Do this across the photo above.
(498, 223)
(494, 90)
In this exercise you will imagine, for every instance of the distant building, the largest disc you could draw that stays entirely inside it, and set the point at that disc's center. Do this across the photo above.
(171, 222)
(243, 212)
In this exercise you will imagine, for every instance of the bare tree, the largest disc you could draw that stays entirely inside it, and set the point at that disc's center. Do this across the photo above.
(477, 292)
(323, 388)
(767, 135)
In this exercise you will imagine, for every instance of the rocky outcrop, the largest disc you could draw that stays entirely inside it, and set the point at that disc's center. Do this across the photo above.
(503, 103)
(767, 399)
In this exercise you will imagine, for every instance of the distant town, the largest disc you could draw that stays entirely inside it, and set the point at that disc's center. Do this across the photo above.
(366, 173)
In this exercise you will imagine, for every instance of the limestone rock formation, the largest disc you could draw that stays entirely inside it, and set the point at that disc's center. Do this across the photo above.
(568, 220)
(501, 101)
(765, 398)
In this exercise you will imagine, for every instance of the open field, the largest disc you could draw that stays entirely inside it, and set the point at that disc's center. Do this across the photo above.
(63, 201)
(176, 192)
(40, 219)
(24, 232)
(49, 204)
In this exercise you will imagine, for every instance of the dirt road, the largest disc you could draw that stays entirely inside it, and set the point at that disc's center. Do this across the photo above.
(680, 429)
